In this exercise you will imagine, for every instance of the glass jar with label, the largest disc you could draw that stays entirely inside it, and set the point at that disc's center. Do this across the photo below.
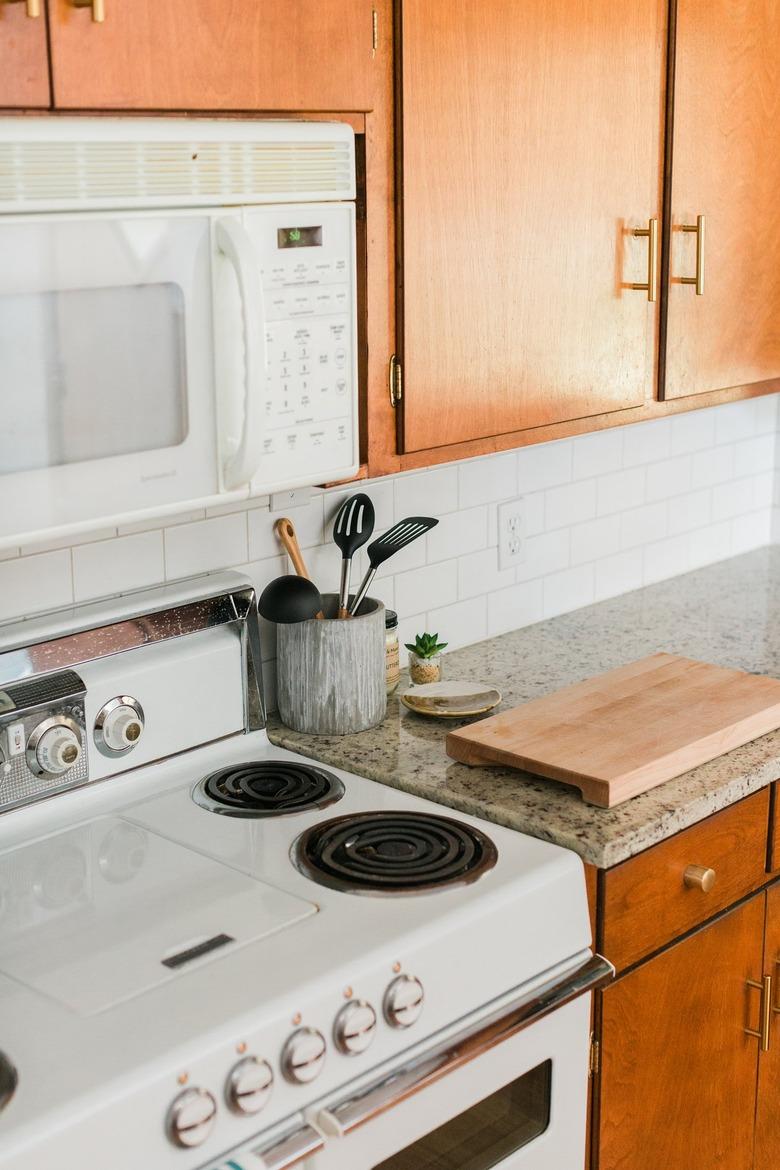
(392, 654)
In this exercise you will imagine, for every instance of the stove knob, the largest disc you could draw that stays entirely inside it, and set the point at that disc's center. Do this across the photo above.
(303, 1056)
(118, 725)
(249, 1085)
(191, 1117)
(54, 747)
(355, 1027)
(404, 1001)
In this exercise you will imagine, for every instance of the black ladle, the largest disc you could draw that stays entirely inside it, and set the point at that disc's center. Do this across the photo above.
(290, 599)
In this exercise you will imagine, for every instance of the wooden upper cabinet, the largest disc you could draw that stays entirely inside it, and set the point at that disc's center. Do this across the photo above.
(531, 148)
(768, 1112)
(726, 167)
(678, 1072)
(24, 59)
(218, 54)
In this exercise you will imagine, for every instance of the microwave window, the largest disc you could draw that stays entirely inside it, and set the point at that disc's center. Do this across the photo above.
(91, 373)
(299, 237)
(489, 1133)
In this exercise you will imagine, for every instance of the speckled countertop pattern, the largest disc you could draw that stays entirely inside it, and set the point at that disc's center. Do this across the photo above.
(726, 613)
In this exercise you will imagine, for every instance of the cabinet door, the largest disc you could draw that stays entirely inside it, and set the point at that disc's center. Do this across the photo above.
(215, 54)
(24, 58)
(726, 167)
(678, 1072)
(768, 1112)
(531, 149)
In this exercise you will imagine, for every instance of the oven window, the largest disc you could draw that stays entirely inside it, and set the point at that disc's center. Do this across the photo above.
(91, 373)
(488, 1133)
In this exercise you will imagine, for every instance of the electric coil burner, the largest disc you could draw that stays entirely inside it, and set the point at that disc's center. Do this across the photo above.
(268, 788)
(393, 853)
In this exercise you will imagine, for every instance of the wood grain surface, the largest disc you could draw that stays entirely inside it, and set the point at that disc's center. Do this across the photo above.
(24, 58)
(678, 1073)
(624, 732)
(767, 1155)
(726, 166)
(531, 149)
(216, 55)
(646, 903)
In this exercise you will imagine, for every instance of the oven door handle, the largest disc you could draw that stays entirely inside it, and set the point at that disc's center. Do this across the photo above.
(291, 1150)
(466, 1046)
(234, 243)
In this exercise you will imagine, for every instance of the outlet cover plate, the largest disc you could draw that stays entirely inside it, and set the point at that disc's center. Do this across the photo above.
(511, 533)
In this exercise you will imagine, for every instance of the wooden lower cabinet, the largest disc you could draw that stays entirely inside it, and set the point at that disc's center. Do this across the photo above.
(24, 58)
(678, 1072)
(768, 1110)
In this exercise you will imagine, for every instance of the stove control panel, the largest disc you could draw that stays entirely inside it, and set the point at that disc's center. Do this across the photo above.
(404, 1000)
(42, 737)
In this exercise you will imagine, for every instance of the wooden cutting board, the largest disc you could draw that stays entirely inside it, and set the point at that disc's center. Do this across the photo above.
(624, 732)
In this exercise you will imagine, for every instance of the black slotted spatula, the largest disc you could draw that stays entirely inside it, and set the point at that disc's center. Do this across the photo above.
(353, 526)
(396, 538)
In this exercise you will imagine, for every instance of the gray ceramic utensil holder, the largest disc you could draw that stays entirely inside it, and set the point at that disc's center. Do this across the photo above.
(331, 673)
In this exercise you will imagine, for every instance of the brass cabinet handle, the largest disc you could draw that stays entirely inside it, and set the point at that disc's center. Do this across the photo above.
(762, 1033)
(650, 286)
(699, 877)
(698, 279)
(33, 7)
(98, 8)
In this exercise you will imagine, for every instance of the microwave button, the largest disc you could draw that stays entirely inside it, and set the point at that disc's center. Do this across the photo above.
(341, 386)
(301, 303)
(304, 352)
(304, 368)
(340, 266)
(340, 299)
(324, 302)
(323, 268)
(341, 358)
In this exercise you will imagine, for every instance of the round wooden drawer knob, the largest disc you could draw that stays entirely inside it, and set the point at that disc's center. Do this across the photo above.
(699, 877)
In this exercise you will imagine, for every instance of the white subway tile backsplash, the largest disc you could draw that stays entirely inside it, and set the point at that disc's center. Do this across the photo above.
(602, 514)
(431, 587)
(571, 589)
(427, 493)
(205, 545)
(459, 533)
(509, 609)
(595, 539)
(463, 623)
(544, 465)
(690, 511)
(670, 477)
(118, 566)
(570, 504)
(481, 481)
(623, 489)
(479, 573)
(619, 574)
(597, 454)
(29, 585)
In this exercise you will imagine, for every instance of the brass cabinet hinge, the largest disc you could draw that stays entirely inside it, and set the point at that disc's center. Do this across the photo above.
(594, 1060)
(395, 381)
(374, 32)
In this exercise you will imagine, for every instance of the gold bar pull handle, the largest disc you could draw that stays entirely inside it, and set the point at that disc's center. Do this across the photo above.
(33, 8)
(698, 279)
(651, 285)
(98, 9)
(763, 1032)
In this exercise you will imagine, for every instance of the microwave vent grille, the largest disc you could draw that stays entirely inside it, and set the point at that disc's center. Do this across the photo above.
(51, 175)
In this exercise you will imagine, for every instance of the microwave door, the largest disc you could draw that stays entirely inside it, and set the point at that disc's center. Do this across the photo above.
(106, 368)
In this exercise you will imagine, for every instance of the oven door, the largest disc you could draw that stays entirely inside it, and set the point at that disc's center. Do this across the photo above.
(509, 1091)
(106, 367)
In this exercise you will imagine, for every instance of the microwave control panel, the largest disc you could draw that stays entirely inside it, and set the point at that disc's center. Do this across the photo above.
(307, 256)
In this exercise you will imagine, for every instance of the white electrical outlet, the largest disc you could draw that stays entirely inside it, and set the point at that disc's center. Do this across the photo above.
(511, 533)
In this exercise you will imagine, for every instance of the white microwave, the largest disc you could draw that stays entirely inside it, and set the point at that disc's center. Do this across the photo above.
(177, 316)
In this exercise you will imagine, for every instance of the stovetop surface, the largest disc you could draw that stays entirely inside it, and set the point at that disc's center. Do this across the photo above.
(153, 936)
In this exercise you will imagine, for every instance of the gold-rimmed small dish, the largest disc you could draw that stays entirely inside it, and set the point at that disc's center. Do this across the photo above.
(451, 699)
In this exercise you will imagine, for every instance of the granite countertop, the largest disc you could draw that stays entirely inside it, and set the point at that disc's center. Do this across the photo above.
(726, 613)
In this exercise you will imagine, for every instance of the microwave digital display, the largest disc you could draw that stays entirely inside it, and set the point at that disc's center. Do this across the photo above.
(299, 237)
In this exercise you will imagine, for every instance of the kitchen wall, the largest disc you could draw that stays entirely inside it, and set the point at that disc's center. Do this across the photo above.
(603, 514)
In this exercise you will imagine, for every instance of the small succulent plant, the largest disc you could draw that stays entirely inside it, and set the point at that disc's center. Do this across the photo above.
(426, 645)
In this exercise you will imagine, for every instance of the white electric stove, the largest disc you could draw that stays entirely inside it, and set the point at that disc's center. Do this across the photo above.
(217, 954)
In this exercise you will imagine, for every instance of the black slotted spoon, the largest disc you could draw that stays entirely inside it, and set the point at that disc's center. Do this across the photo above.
(396, 538)
(353, 526)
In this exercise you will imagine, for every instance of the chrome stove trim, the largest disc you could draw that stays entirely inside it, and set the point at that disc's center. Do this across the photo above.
(38, 647)
(292, 1149)
(461, 1049)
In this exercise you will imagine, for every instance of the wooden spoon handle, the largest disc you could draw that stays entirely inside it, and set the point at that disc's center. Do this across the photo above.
(285, 530)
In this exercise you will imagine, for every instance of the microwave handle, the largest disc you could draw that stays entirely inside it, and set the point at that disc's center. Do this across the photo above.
(234, 243)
